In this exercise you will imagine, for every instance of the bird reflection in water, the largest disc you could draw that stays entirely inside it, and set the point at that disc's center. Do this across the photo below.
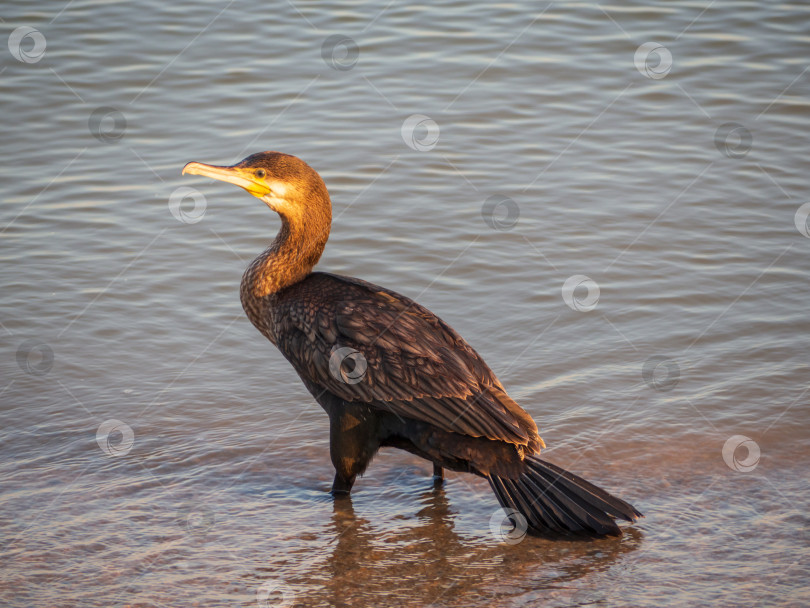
(424, 559)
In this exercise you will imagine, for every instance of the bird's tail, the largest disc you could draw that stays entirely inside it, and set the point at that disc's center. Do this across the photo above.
(554, 500)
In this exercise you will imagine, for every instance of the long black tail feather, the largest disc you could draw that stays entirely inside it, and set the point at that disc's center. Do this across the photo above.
(555, 500)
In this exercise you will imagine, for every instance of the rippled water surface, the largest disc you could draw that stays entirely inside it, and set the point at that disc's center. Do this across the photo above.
(639, 282)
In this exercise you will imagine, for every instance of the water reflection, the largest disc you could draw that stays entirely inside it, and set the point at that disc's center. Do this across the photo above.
(425, 560)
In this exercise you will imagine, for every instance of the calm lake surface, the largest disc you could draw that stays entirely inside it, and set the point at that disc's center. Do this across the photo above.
(608, 201)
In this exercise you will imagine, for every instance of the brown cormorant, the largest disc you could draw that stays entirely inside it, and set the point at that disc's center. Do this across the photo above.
(388, 371)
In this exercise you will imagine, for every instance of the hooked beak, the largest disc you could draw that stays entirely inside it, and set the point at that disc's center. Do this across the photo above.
(244, 178)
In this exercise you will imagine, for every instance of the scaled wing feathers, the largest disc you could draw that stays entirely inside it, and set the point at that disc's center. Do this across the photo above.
(365, 343)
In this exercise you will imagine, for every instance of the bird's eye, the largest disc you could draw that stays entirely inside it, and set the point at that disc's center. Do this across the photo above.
(260, 173)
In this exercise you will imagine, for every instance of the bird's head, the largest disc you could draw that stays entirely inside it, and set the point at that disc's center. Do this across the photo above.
(288, 185)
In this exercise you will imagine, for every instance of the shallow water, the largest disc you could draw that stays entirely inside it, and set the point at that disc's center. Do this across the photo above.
(672, 183)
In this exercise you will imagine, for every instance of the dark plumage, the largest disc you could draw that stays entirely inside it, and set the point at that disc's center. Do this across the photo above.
(389, 372)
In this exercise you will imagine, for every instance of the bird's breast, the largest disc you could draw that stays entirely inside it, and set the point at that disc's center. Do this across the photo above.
(259, 310)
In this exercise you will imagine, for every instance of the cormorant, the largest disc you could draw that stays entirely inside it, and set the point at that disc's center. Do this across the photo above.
(389, 372)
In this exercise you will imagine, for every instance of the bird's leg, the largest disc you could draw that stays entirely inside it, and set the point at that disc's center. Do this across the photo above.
(342, 485)
(353, 441)
(438, 474)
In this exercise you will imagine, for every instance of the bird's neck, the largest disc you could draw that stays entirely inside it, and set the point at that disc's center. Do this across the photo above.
(292, 256)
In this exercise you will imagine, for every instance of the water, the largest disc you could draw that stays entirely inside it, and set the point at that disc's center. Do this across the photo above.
(692, 230)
